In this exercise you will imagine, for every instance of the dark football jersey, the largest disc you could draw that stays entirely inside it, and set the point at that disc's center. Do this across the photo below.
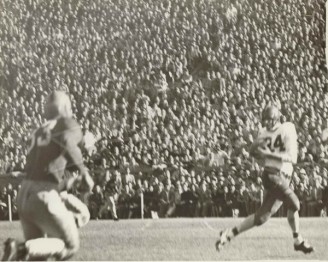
(53, 149)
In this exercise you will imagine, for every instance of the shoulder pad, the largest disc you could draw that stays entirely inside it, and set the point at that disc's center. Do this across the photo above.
(288, 125)
(70, 130)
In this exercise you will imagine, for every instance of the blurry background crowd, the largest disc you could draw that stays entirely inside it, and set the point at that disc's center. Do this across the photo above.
(169, 95)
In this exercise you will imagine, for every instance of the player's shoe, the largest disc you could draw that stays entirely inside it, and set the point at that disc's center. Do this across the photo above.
(116, 219)
(223, 239)
(305, 247)
(14, 251)
(10, 250)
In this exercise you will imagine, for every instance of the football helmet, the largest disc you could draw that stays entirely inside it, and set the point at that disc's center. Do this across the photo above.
(57, 105)
(270, 117)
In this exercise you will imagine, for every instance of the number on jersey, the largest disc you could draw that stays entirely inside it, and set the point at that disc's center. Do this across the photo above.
(276, 144)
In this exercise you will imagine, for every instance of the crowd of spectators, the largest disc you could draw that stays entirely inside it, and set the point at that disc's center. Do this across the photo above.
(169, 94)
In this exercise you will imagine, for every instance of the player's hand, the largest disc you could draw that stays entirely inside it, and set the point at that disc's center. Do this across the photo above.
(262, 152)
(260, 143)
(266, 154)
(68, 183)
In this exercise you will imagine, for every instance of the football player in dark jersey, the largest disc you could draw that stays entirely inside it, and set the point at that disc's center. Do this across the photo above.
(47, 214)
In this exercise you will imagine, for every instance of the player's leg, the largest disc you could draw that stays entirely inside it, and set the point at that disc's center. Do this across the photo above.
(43, 214)
(15, 250)
(30, 230)
(293, 205)
(58, 224)
(49, 214)
(229, 233)
(52, 217)
(269, 207)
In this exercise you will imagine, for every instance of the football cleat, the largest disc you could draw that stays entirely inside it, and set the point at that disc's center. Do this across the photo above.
(14, 251)
(10, 250)
(116, 219)
(305, 247)
(224, 238)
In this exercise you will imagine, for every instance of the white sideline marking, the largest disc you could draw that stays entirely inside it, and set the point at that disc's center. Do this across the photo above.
(209, 226)
(146, 225)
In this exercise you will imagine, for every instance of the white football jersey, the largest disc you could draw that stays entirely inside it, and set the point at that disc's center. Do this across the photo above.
(282, 139)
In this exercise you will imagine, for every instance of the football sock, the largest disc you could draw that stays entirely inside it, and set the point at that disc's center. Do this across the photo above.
(297, 238)
(232, 232)
(21, 251)
(235, 231)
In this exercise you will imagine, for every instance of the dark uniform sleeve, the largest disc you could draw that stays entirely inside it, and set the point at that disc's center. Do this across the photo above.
(70, 138)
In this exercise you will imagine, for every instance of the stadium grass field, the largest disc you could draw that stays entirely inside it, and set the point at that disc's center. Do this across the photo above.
(189, 239)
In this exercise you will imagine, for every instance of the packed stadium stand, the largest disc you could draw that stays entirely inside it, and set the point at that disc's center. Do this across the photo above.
(169, 95)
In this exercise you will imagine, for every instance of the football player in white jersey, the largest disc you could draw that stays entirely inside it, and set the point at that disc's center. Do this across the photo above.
(276, 150)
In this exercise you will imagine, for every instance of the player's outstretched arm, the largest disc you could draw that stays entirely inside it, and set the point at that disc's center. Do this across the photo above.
(70, 140)
(74, 155)
(282, 156)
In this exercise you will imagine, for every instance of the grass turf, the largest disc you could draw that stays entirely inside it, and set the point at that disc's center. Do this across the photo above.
(190, 239)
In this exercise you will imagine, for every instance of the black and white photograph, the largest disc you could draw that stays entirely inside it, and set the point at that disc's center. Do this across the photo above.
(163, 130)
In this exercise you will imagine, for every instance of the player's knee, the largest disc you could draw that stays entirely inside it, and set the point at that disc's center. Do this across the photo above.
(75, 247)
(71, 247)
(295, 205)
(260, 219)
